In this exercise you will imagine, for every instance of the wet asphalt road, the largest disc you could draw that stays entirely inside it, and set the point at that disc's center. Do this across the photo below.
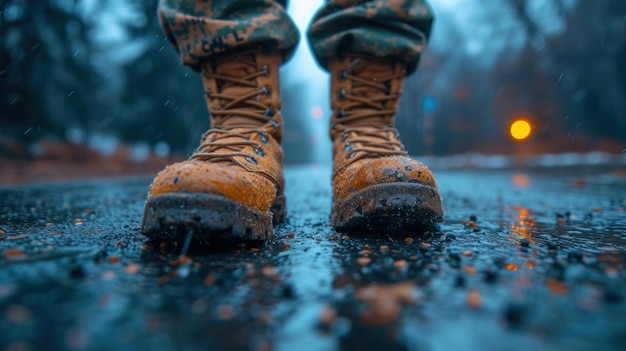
(525, 260)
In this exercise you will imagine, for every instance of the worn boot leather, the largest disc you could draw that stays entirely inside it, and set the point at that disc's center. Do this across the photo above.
(376, 185)
(231, 188)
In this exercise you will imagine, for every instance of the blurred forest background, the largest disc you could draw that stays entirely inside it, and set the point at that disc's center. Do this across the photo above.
(101, 75)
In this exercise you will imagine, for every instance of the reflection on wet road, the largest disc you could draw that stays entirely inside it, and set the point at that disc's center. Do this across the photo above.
(524, 260)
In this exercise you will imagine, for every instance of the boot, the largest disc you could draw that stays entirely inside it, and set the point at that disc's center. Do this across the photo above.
(232, 186)
(376, 186)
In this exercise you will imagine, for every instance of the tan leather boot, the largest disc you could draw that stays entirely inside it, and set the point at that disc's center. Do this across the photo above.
(232, 186)
(376, 186)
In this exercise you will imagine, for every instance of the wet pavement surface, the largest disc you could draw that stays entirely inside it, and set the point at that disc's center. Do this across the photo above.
(524, 260)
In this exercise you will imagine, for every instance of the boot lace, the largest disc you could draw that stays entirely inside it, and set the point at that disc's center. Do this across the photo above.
(366, 120)
(240, 114)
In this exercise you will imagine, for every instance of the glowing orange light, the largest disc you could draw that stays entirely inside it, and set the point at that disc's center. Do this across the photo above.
(520, 129)
(317, 112)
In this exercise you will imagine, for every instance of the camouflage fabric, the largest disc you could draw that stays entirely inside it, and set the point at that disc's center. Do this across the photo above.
(384, 28)
(201, 28)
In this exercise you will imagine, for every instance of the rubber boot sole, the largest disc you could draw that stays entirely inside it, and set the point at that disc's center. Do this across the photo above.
(210, 217)
(393, 208)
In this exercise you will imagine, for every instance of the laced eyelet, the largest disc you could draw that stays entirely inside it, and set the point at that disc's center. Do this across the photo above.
(264, 140)
(342, 94)
(348, 148)
(266, 90)
(266, 70)
(341, 114)
(343, 74)
(252, 160)
(269, 112)
(259, 151)
(332, 126)
(344, 136)
(350, 155)
(274, 124)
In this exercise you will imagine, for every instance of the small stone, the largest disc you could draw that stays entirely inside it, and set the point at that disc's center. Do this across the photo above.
(77, 272)
(287, 291)
(491, 276)
(524, 243)
(515, 314)
(575, 256)
(612, 294)
(409, 240)
(459, 281)
(552, 245)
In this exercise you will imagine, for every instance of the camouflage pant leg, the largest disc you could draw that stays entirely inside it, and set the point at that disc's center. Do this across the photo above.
(384, 28)
(200, 28)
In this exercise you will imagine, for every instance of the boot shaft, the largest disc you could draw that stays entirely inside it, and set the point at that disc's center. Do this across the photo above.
(242, 91)
(365, 92)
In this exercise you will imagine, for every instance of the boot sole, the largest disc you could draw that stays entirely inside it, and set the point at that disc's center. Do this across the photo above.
(395, 207)
(210, 217)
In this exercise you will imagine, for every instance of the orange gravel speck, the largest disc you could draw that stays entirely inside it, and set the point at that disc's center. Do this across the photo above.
(225, 312)
(181, 260)
(290, 235)
(328, 315)
(13, 253)
(474, 300)
(409, 240)
(557, 287)
(363, 261)
(511, 267)
(385, 302)
(114, 259)
(132, 269)
(400, 264)
(384, 247)
(469, 270)
(210, 279)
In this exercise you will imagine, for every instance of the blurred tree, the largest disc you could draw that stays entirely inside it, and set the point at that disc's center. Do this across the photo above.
(162, 101)
(46, 81)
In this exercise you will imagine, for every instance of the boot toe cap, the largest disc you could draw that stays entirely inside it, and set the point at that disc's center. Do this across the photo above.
(248, 188)
(394, 169)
